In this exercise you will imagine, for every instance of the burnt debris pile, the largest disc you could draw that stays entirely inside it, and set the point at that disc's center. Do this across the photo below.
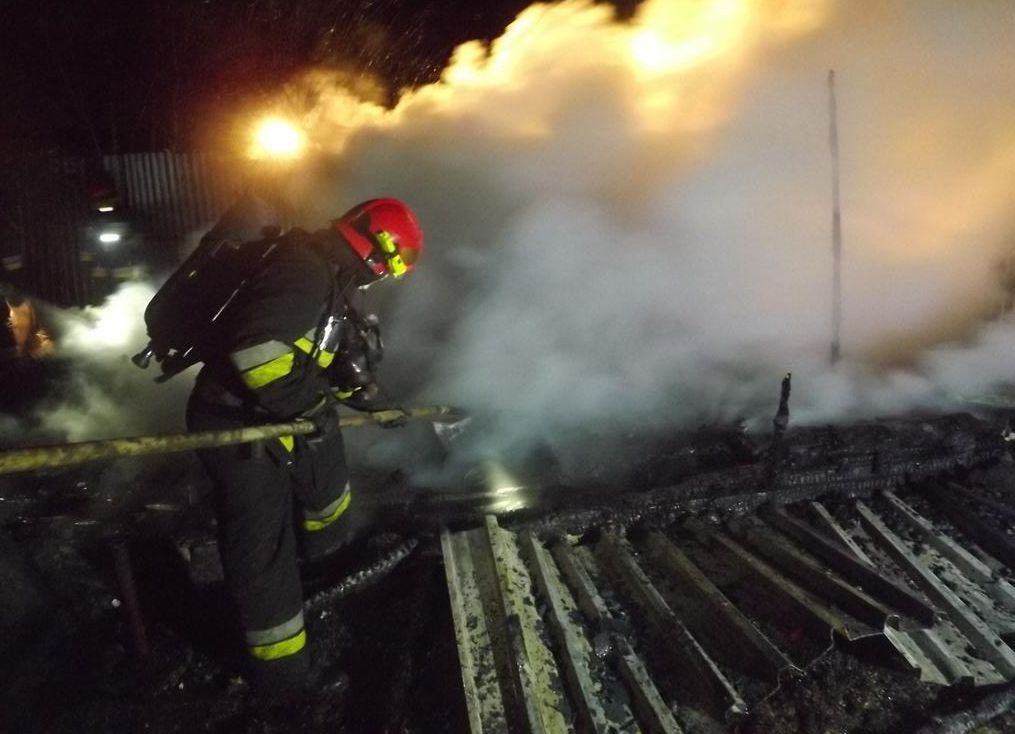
(837, 578)
(864, 583)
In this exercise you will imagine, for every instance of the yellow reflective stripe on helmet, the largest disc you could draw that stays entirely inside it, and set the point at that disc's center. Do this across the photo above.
(304, 344)
(387, 242)
(324, 359)
(396, 265)
(276, 650)
(288, 442)
(341, 505)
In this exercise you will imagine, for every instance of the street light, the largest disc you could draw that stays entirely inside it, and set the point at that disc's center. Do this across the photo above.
(278, 139)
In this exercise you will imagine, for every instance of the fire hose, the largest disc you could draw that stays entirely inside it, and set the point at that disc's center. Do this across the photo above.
(51, 457)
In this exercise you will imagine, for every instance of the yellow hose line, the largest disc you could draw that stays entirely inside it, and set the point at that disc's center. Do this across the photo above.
(50, 457)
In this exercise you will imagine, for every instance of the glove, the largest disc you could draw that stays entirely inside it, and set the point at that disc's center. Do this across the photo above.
(391, 418)
(324, 416)
(363, 399)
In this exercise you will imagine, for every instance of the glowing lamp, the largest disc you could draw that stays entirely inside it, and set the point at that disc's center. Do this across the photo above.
(277, 138)
(109, 238)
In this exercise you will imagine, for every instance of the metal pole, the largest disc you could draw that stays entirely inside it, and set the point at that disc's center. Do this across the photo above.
(833, 141)
(48, 457)
(131, 605)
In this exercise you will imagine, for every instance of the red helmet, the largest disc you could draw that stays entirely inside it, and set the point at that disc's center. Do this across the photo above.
(385, 233)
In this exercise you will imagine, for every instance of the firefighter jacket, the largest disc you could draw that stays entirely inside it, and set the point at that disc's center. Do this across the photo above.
(278, 339)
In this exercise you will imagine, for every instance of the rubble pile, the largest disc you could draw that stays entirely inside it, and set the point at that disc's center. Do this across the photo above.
(854, 579)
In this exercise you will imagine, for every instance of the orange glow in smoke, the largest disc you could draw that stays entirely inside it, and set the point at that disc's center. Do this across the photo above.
(277, 139)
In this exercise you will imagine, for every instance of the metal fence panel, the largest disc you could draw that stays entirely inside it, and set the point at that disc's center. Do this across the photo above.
(47, 235)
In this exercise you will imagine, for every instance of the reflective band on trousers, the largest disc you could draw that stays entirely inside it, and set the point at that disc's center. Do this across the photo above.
(279, 641)
(282, 649)
(324, 518)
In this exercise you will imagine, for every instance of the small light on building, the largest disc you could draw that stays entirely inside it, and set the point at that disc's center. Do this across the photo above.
(109, 238)
(105, 209)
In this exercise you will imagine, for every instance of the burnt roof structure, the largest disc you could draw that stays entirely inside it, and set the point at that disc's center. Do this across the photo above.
(855, 578)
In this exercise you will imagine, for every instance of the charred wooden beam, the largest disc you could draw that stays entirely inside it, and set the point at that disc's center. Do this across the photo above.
(979, 531)
(725, 627)
(979, 498)
(816, 579)
(970, 565)
(705, 678)
(862, 574)
(476, 639)
(575, 650)
(531, 662)
(986, 641)
(653, 713)
(651, 709)
(916, 656)
(956, 671)
(821, 619)
(825, 517)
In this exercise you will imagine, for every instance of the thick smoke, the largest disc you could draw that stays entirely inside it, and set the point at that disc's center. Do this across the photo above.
(630, 223)
(88, 390)
(91, 389)
(96, 392)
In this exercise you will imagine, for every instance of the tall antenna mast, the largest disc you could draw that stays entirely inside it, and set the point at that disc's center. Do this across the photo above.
(833, 141)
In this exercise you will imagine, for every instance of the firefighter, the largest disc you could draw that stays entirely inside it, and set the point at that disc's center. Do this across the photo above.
(23, 337)
(294, 344)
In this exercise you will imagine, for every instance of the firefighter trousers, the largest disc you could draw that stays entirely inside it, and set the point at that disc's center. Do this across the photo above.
(264, 494)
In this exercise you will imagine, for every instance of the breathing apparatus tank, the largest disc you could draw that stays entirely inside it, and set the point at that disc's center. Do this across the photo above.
(183, 315)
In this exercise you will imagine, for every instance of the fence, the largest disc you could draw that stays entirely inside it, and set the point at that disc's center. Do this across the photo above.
(48, 221)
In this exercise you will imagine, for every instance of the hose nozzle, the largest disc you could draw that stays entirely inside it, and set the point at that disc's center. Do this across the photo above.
(144, 358)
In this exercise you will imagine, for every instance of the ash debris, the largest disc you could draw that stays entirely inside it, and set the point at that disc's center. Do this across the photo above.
(843, 693)
(67, 637)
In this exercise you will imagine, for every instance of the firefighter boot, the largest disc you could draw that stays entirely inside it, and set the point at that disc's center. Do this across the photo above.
(280, 680)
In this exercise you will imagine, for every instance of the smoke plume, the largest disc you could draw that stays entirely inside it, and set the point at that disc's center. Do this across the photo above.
(103, 395)
(629, 223)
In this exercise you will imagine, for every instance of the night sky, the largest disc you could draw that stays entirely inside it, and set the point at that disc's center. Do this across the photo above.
(89, 76)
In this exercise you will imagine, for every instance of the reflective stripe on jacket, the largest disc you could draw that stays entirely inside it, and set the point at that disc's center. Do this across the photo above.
(273, 327)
